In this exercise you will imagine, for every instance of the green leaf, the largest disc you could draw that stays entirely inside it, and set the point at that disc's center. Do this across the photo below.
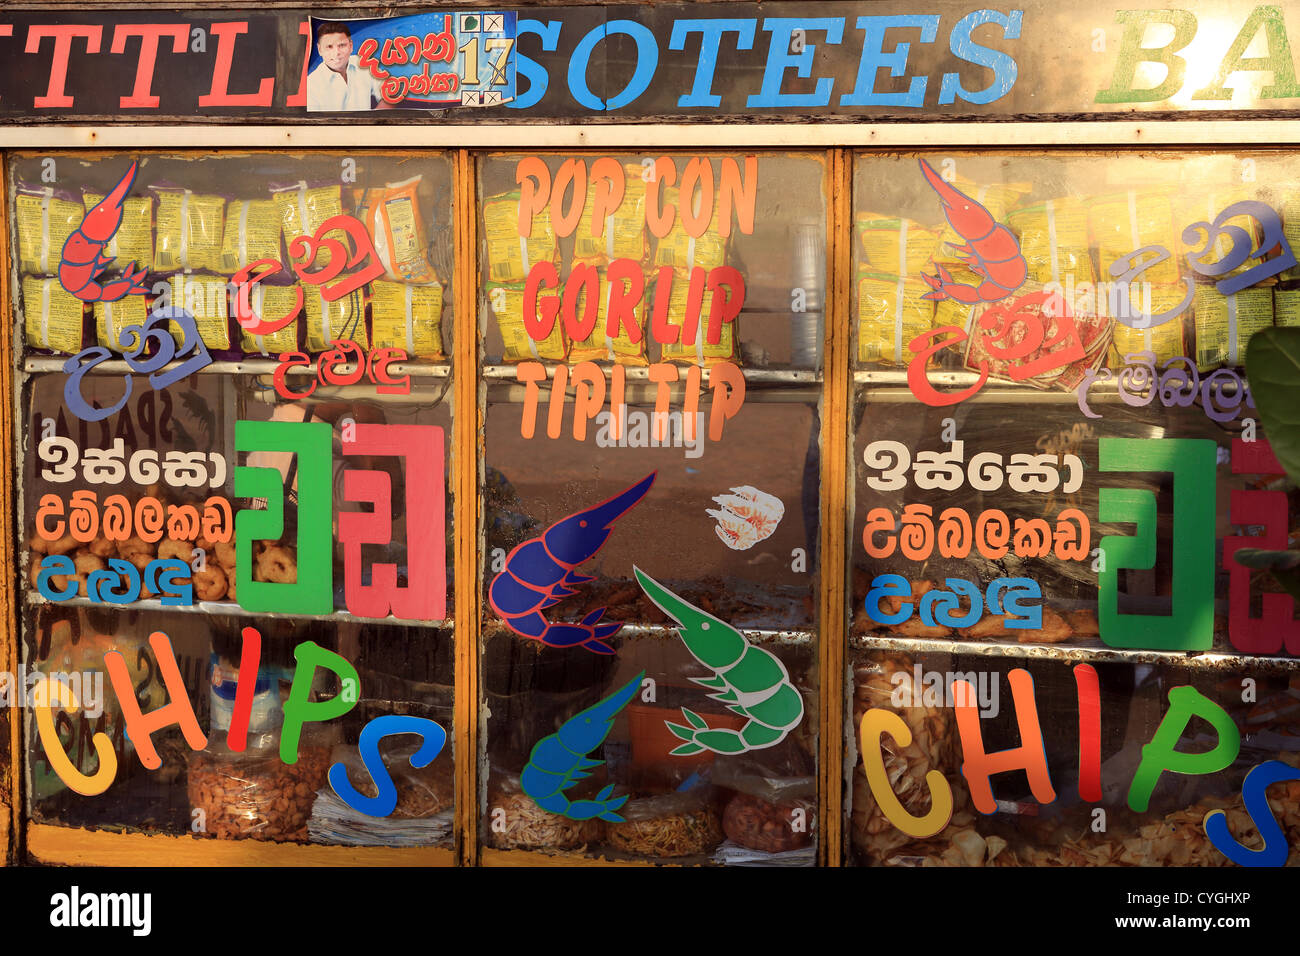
(685, 733)
(1268, 560)
(1289, 580)
(1273, 370)
(695, 720)
(685, 750)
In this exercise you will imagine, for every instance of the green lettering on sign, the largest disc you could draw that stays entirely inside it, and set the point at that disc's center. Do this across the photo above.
(1132, 52)
(1192, 462)
(1278, 62)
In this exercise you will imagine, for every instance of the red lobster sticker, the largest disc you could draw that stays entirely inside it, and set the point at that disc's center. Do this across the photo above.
(83, 253)
(991, 251)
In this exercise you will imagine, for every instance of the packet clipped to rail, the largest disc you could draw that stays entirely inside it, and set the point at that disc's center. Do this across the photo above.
(507, 304)
(1286, 307)
(1165, 342)
(600, 345)
(622, 232)
(53, 318)
(112, 317)
(892, 311)
(407, 316)
(304, 208)
(693, 349)
(683, 251)
(274, 301)
(1225, 323)
(510, 256)
(252, 233)
(46, 218)
(393, 219)
(1121, 223)
(1054, 240)
(895, 246)
(206, 298)
(343, 320)
(133, 241)
(189, 229)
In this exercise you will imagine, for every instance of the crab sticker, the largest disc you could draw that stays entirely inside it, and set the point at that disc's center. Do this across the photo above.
(747, 517)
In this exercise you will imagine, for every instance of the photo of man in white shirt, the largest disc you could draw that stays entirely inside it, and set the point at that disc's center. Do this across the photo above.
(338, 84)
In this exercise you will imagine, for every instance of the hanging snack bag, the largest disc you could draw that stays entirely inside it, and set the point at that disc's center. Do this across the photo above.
(46, 219)
(275, 301)
(112, 317)
(52, 317)
(623, 232)
(896, 246)
(1290, 207)
(998, 198)
(1204, 206)
(510, 256)
(303, 210)
(599, 346)
(507, 303)
(343, 319)
(392, 217)
(1054, 240)
(1122, 223)
(1286, 307)
(684, 252)
(133, 241)
(1224, 324)
(1164, 341)
(405, 316)
(252, 233)
(891, 312)
(695, 350)
(207, 299)
(189, 229)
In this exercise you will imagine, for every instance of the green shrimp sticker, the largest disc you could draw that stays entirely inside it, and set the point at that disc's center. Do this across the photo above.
(751, 681)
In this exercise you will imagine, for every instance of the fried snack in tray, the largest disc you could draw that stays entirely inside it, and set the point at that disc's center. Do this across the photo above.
(529, 827)
(669, 825)
(932, 748)
(959, 844)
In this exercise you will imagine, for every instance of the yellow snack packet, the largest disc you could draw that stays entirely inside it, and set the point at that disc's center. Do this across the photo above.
(599, 346)
(52, 317)
(896, 246)
(112, 317)
(624, 230)
(405, 316)
(44, 224)
(1164, 341)
(1054, 240)
(303, 210)
(1122, 223)
(684, 252)
(273, 301)
(189, 230)
(133, 241)
(207, 298)
(507, 303)
(1224, 324)
(1286, 306)
(252, 233)
(342, 320)
(510, 256)
(1204, 206)
(697, 351)
(891, 312)
(393, 219)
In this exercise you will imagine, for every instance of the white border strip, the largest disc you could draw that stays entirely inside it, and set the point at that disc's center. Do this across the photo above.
(1247, 133)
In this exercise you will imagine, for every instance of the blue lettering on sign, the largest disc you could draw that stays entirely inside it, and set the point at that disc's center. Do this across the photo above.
(711, 32)
(779, 59)
(1003, 66)
(647, 60)
(538, 78)
(1252, 793)
(874, 58)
